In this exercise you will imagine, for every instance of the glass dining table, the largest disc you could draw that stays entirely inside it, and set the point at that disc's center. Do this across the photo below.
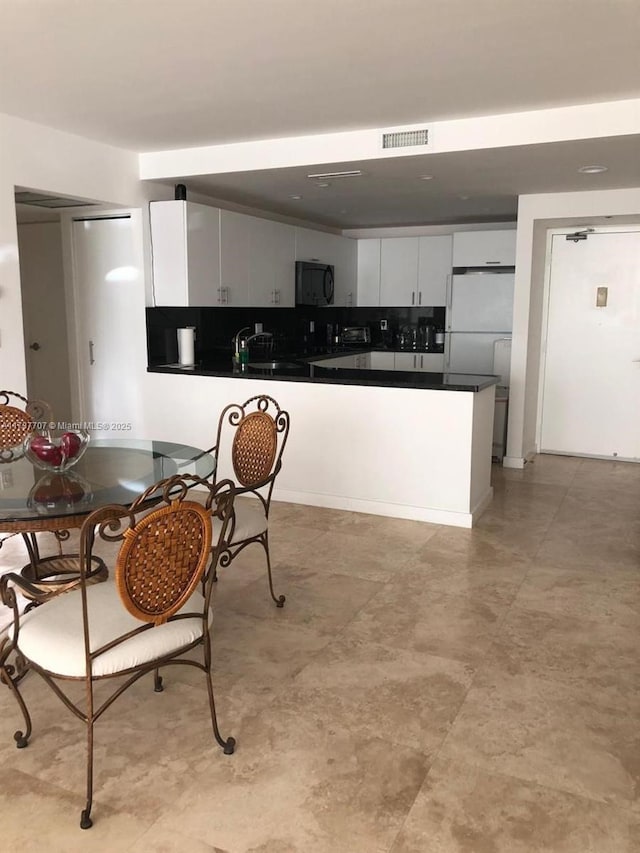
(110, 472)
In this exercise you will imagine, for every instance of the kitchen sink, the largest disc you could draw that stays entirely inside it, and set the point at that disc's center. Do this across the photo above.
(274, 365)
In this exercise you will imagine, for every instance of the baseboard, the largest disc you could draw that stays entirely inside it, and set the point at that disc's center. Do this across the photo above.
(517, 461)
(412, 513)
(482, 504)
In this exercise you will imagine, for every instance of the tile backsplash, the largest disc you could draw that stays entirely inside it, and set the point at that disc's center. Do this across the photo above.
(294, 330)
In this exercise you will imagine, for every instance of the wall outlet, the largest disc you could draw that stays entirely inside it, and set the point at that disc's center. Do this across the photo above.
(383, 325)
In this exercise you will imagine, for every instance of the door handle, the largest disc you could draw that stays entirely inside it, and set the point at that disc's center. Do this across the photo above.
(91, 358)
(34, 346)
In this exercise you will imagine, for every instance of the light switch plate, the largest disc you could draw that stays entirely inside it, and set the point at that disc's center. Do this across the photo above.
(601, 297)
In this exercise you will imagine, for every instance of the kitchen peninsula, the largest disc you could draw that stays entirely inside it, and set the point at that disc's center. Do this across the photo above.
(404, 444)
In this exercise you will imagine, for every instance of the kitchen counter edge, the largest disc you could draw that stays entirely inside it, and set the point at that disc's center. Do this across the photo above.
(307, 372)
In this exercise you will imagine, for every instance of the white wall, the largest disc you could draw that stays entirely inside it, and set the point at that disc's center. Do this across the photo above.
(39, 158)
(536, 214)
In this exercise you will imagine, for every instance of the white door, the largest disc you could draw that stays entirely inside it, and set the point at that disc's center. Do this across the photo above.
(108, 291)
(591, 372)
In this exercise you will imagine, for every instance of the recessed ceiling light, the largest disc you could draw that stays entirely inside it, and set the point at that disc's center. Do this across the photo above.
(296, 197)
(426, 177)
(323, 184)
(355, 173)
(593, 170)
(463, 197)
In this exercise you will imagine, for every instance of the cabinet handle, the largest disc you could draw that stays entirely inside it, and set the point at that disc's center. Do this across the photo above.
(419, 297)
(495, 263)
(91, 358)
(413, 297)
(225, 295)
(421, 362)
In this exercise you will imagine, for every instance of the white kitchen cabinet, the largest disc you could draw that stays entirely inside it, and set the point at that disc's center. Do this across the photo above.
(368, 276)
(185, 249)
(234, 259)
(340, 252)
(484, 248)
(339, 361)
(271, 263)
(399, 271)
(429, 362)
(382, 360)
(256, 262)
(413, 271)
(434, 269)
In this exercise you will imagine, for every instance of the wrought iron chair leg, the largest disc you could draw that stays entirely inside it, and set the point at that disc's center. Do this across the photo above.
(85, 816)
(157, 681)
(280, 599)
(228, 745)
(21, 738)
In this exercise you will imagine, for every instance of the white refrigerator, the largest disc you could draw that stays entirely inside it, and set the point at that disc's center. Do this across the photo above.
(479, 312)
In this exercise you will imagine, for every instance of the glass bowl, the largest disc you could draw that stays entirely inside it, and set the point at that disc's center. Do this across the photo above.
(55, 454)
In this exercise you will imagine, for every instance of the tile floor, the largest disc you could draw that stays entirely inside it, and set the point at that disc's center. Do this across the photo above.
(426, 689)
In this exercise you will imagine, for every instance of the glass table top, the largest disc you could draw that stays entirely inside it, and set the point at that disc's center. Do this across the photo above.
(109, 472)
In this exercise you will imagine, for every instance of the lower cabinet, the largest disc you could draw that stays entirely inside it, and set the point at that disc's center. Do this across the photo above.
(382, 360)
(428, 361)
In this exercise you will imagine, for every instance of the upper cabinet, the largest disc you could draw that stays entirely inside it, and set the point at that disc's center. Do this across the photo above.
(404, 271)
(399, 271)
(234, 260)
(185, 253)
(369, 271)
(484, 248)
(204, 256)
(434, 269)
(340, 252)
(256, 262)
(272, 248)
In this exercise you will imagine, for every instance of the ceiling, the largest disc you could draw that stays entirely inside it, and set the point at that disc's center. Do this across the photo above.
(473, 186)
(149, 75)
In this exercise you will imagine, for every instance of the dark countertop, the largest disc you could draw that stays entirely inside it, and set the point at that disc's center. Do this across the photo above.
(299, 369)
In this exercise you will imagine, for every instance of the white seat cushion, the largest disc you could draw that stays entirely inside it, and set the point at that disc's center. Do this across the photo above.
(250, 521)
(52, 635)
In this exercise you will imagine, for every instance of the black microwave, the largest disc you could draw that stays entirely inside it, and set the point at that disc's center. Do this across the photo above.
(314, 284)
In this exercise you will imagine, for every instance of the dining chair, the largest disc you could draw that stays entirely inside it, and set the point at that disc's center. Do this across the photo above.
(156, 610)
(18, 419)
(250, 441)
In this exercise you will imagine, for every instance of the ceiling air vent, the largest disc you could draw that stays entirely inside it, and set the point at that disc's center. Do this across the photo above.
(50, 201)
(405, 138)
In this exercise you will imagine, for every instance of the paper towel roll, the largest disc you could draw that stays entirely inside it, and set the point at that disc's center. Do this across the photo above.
(186, 338)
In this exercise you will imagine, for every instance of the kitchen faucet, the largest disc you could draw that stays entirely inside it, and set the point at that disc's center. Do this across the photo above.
(239, 336)
(236, 339)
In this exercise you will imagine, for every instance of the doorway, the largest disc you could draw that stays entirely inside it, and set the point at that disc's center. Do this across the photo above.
(590, 403)
(44, 315)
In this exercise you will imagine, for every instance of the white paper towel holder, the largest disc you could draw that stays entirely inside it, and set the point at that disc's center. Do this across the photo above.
(186, 346)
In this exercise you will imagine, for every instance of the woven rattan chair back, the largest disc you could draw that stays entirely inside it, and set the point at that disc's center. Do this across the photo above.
(18, 419)
(254, 448)
(255, 433)
(162, 560)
